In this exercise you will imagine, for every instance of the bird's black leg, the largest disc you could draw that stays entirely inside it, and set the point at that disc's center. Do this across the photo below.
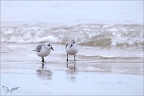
(67, 57)
(42, 59)
(74, 58)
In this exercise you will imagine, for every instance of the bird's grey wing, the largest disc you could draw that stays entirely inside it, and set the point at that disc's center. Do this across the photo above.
(66, 45)
(38, 48)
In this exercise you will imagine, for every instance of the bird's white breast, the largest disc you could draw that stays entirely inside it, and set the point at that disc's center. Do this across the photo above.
(44, 52)
(72, 50)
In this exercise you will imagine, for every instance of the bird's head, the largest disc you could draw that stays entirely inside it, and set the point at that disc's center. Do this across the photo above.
(50, 45)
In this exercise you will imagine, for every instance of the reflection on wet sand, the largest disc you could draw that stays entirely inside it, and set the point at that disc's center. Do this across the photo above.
(72, 70)
(71, 67)
(42, 64)
(44, 73)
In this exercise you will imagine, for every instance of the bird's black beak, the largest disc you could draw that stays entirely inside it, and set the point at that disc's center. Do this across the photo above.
(52, 48)
(70, 45)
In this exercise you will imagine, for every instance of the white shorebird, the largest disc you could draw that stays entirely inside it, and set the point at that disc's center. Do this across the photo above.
(72, 49)
(43, 50)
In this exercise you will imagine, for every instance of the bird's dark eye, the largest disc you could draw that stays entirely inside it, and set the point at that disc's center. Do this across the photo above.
(48, 45)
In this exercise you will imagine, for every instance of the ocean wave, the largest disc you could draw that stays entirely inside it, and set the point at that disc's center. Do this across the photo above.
(100, 35)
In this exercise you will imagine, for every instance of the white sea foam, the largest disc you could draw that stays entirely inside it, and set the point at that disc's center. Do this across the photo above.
(102, 35)
(48, 39)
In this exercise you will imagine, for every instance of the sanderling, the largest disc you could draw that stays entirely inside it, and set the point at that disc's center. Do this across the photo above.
(43, 50)
(72, 48)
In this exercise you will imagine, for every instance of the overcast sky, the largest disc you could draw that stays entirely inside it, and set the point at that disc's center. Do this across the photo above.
(62, 11)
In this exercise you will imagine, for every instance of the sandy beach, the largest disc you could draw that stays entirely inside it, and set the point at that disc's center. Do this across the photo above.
(97, 71)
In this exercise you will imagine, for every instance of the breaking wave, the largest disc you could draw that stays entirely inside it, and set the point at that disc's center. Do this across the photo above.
(100, 35)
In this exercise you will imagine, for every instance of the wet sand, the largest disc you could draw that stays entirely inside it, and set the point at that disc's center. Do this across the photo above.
(97, 71)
